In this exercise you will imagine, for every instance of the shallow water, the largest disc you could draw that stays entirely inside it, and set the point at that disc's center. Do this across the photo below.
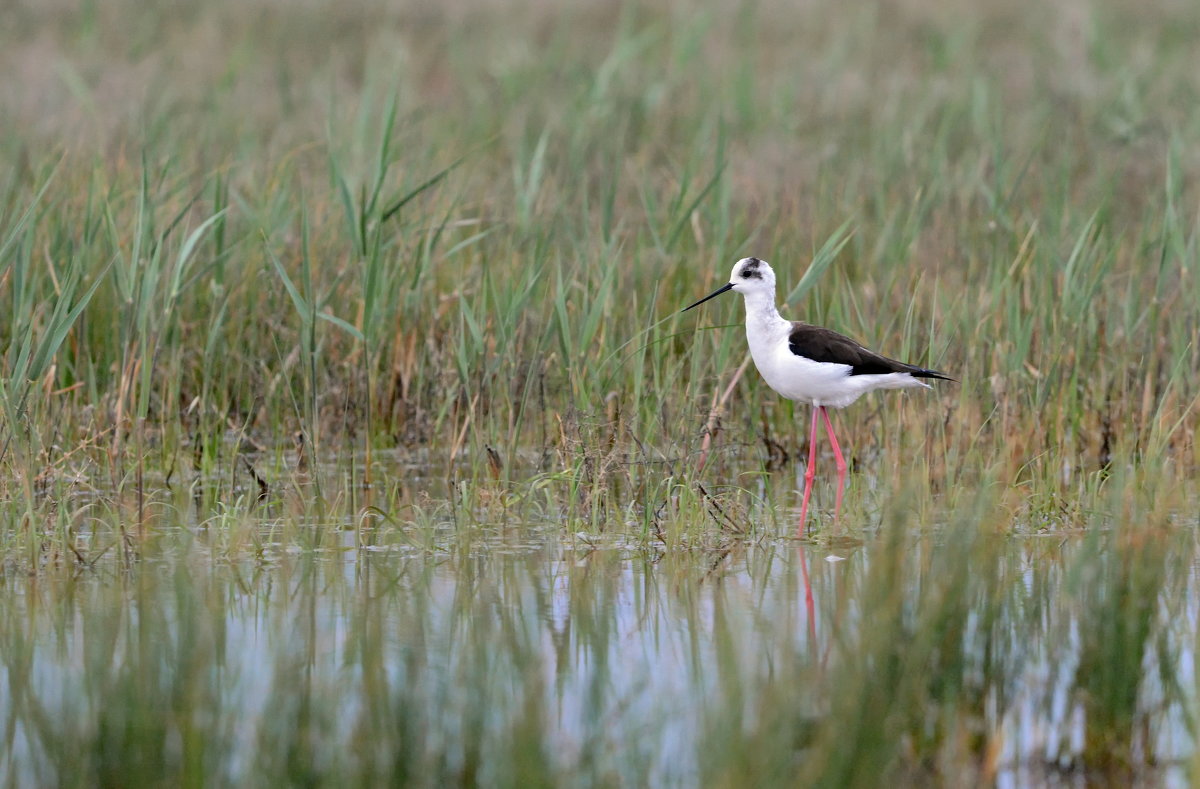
(535, 660)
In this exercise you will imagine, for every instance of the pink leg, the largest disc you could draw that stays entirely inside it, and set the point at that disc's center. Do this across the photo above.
(841, 463)
(810, 474)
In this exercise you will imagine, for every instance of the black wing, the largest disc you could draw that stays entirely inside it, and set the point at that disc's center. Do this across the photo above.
(825, 345)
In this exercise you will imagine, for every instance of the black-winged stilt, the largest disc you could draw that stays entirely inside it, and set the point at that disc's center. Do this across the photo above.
(810, 364)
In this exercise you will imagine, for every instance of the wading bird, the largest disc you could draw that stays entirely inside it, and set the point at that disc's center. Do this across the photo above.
(810, 364)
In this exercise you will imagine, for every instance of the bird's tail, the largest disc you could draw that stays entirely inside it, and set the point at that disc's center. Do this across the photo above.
(920, 372)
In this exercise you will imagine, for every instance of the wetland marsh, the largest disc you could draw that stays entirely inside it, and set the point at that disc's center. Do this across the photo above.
(349, 432)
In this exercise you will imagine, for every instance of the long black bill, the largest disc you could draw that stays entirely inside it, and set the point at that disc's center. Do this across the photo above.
(712, 295)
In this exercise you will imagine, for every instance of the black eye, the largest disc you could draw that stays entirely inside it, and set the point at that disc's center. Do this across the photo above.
(746, 274)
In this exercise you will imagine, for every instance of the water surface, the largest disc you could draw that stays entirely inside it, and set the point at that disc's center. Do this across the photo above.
(538, 659)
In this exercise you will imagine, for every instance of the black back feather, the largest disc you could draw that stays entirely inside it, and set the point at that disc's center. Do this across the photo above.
(826, 345)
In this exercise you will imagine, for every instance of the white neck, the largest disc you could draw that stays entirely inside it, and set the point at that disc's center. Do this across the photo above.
(761, 314)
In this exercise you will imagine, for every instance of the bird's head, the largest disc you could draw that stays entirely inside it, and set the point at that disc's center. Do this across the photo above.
(749, 276)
